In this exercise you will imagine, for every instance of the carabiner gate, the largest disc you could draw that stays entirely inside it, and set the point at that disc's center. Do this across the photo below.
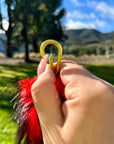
(42, 48)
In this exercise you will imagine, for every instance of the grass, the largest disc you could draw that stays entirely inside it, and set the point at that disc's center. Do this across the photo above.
(10, 74)
(104, 71)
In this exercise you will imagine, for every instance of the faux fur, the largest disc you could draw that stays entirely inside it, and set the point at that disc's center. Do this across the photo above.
(29, 127)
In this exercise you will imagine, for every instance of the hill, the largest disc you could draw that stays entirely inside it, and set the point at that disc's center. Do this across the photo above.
(86, 36)
(79, 41)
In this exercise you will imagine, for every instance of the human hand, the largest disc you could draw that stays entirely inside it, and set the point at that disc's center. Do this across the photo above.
(87, 115)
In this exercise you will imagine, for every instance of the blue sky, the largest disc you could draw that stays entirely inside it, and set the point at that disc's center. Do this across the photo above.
(96, 14)
(93, 14)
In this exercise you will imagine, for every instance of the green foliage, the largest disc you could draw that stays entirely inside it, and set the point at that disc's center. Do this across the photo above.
(32, 21)
(88, 41)
(94, 48)
(39, 20)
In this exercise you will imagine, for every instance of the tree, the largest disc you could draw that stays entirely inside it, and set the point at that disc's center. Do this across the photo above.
(39, 21)
(47, 22)
(8, 32)
(22, 13)
(52, 25)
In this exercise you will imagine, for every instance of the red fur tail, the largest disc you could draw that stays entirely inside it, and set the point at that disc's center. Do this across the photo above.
(29, 127)
(27, 118)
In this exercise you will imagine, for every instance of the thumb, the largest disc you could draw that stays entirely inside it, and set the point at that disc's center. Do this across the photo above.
(46, 99)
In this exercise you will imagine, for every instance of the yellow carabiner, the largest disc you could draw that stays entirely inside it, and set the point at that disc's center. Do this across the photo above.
(43, 46)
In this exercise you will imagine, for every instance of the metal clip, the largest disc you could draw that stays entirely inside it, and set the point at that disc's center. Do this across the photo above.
(42, 48)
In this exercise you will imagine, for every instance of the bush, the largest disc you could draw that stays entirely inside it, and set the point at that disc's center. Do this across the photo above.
(35, 55)
(17, 55)
(2, 55)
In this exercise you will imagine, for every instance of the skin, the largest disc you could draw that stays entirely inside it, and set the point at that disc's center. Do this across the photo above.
(87, 115)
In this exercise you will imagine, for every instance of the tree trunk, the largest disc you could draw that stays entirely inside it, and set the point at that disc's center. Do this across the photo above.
(8, 47)
(25, 38)
(35, 46)
(9, 33)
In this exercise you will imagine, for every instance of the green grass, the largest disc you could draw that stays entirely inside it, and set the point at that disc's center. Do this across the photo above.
(10, 74)
(104, 71)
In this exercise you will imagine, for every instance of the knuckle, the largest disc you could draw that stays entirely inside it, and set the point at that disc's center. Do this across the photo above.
(64, 71)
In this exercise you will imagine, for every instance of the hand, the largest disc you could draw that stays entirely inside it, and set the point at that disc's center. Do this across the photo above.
(87, 115)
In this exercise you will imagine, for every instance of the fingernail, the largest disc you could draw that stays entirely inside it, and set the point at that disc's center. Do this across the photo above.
(42, 65)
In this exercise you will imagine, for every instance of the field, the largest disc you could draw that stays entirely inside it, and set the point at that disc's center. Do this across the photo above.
(10, 74)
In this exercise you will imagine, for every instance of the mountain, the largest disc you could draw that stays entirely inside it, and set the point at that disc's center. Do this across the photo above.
(80, 37)
(86, 36)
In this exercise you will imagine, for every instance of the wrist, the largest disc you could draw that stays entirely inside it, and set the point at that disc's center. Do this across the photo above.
(52, 135)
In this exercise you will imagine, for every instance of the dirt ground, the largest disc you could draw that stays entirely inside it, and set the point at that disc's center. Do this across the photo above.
(95, 60)
(80, 60)
(9, 61)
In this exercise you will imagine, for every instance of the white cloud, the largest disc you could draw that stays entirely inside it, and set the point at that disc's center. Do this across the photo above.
(106, 9)
(92, 15)
(5, 24)
(102, 7)
(100, 23)
(72, 24)
(77, 3)
(77, 25)
(79, 15)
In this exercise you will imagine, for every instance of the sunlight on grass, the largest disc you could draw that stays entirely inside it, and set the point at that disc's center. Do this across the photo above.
(9, 75)
(13, 71)
(7, 128)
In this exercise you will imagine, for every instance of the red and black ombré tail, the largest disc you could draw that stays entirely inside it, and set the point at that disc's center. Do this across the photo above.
(27, 118)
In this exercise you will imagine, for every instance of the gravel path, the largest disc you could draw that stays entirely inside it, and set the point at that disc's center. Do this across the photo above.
(95, 60)
(8, 61)
(88, 60)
